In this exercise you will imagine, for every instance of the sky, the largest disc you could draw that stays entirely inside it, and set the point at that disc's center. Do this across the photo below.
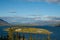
(17, 8)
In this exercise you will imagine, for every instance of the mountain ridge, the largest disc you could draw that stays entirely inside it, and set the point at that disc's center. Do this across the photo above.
(3, 23)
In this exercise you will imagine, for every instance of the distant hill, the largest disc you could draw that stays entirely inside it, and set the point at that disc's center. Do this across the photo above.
(3, 23)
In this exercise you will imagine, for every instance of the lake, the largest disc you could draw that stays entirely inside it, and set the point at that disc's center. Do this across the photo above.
(55, 30)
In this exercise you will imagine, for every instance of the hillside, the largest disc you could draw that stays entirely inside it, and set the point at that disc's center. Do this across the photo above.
(3, 23)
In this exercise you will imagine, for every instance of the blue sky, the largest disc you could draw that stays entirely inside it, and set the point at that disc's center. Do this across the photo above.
(28, 7)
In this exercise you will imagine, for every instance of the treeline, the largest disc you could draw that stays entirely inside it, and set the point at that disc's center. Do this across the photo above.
(14, 37)
(3, 37)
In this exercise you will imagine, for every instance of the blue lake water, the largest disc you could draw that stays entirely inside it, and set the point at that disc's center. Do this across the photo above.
(55, 30)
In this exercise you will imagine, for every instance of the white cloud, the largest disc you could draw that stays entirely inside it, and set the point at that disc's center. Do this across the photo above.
(46, 18)
(34, 0)
(12, 11)
(48, 1)
(36, 17)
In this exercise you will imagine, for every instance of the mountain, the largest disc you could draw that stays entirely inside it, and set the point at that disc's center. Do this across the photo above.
(3, 23)
(27, 21)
